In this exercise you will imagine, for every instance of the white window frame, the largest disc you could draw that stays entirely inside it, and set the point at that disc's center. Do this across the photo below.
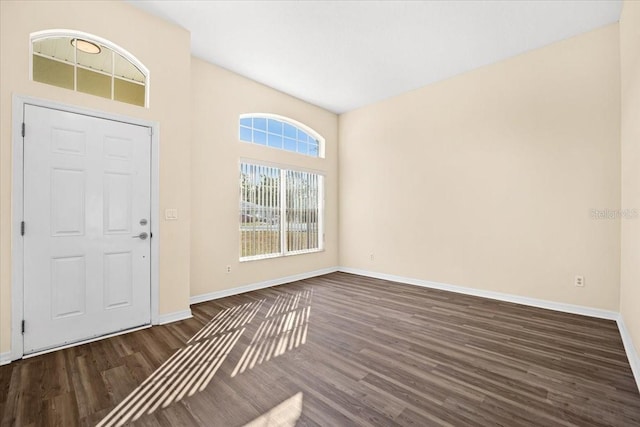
(284, 252)
(45, 34)
(292, 122)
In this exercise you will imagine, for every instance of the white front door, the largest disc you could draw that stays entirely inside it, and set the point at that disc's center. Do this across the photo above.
(87, 225)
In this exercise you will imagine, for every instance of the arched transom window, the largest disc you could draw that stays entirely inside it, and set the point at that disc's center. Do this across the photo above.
(280, 132)
(86, 63)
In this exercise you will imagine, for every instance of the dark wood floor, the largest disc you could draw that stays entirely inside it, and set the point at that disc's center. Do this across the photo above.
(337, 350)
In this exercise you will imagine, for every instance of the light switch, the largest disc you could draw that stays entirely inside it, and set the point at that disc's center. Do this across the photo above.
(170, 214)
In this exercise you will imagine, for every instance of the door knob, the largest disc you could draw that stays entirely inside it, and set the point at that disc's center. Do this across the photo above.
(142, 236)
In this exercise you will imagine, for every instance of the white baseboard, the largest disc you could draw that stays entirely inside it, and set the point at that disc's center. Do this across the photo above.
(534, 302)
(634, 359)
(629, 348)
(260, 285)
(163, 319)
(632, 355)
(5, 358)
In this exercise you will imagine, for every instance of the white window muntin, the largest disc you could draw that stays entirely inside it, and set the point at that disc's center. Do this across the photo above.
(268, 133)
(60, 33)
(282, 210)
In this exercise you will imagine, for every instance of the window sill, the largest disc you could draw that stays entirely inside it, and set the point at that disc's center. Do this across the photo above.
(279, 255)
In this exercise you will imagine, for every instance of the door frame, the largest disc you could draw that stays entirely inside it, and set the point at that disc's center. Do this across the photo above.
(17, 212)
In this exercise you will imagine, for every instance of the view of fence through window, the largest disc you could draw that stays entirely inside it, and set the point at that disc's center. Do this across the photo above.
(280, 211)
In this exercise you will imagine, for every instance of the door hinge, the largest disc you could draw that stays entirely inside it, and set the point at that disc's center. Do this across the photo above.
(22, 228)
(23, 327)
(23, 129)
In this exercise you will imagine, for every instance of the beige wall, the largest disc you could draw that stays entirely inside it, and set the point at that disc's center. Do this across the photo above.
(167, 54)
(218, 98)
(486, 180)
(630, 273)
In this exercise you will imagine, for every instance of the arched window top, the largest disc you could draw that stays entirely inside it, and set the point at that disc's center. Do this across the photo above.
(280, 132)
(87, 63)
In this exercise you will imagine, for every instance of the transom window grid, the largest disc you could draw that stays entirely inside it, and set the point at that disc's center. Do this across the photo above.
(281, 212)
(278, 132)
(109, 73)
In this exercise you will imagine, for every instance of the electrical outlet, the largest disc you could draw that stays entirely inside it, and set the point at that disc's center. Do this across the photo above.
(579, 281)
(228, 269)
(372, 257)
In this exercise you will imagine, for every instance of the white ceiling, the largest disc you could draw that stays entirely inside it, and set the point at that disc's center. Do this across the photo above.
(342, 55)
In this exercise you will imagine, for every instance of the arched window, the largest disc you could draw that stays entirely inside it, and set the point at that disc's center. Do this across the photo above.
(89, 64)
(280, 132)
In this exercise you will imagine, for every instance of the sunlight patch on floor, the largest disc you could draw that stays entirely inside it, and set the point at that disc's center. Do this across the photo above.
(284, 329)
(285, 414)
(228, 319)
(188, 370)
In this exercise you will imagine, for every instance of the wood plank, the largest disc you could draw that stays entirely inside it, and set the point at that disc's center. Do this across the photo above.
(356, 350)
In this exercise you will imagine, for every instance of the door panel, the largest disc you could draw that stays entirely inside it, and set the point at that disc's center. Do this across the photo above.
(117, 203)
(118, 279)
(86, 190)
(67, 202)
(68, 141)
(68, 283)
